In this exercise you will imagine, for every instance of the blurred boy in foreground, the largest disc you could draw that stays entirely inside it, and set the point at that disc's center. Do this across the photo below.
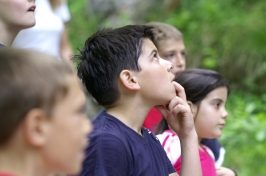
(43, 126)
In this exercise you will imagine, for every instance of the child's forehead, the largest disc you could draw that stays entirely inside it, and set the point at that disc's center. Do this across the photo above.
(170, 40)
(74, 94)
(170, 43)
(73, 83)
(148, 45)
(217, 93)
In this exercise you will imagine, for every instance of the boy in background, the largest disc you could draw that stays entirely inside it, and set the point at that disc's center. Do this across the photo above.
(43, 124)
(122, 70)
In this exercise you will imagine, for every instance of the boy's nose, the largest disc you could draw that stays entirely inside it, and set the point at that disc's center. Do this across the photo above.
(168, 64)
(179, 60)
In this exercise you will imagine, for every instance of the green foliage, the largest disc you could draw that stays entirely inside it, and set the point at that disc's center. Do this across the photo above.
(81, 24)
(244, 136)
(228, 36)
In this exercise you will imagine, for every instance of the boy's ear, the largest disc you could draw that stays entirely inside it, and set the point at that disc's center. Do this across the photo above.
(36, 127)
(194, 108)
(129, 80)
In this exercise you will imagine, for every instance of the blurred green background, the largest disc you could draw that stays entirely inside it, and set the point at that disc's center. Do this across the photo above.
(228, 36)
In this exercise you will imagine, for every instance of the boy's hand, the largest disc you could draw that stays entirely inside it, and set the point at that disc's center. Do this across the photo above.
(178, 113)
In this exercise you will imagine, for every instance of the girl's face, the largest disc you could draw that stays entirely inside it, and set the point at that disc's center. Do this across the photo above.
(17, 13)
(211, 114)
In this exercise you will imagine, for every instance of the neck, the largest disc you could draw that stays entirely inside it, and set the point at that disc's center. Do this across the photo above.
(19, 162)
(7, 34)
(131, 114)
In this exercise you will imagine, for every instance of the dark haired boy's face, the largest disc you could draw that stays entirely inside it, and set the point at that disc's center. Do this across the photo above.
(155, 77)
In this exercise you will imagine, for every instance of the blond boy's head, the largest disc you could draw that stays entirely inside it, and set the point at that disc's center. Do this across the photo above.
(42, 114)
(170, 44)
(28, 80)
(163, 31)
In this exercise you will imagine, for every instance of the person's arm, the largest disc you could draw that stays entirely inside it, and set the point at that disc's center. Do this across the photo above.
(179, 116)
(65, 46)
(106, 156)
(190, 156)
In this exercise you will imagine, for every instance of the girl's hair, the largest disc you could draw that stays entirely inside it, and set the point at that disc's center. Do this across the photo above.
(198, 83)
(56, 3)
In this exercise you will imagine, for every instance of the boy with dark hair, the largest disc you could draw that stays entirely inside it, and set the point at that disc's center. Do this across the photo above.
(43, 125)
(122, 70)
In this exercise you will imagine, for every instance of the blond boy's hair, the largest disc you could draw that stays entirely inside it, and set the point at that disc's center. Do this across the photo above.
(28, 80)
(163, 31)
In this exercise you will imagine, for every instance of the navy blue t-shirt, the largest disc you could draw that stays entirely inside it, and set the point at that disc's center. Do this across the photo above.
(115, 149)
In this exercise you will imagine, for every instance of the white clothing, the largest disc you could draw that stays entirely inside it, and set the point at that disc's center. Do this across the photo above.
(172, 146)
(45, 36)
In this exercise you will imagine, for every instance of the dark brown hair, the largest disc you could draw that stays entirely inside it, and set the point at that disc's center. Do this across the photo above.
(105, 54)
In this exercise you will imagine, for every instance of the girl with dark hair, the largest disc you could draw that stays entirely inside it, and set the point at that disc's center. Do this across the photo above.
(206, 92)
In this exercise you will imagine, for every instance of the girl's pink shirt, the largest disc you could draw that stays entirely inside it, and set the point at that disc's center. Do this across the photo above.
(171, 144)
(206, 161)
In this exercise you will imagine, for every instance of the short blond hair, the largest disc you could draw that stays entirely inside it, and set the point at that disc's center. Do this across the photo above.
(28, 80)
(163, 31)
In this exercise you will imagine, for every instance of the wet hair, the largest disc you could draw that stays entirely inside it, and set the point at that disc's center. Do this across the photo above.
(198, 83)
(105, 54)
(163, 31)
(29, 80)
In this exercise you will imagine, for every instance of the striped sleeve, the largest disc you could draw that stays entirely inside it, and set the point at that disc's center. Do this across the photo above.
(171, 145)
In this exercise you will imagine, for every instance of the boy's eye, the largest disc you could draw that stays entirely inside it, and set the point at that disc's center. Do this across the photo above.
(155, 58)
(170, 56)
(183, 53)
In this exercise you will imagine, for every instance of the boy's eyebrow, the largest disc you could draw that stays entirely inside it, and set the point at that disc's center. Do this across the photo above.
(152, 52)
